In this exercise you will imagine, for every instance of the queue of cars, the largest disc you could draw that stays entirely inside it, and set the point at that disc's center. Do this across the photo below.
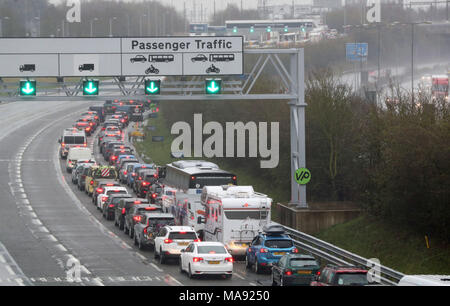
(140, 201)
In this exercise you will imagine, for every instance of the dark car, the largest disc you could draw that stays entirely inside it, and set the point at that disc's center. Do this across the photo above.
(199, 58)
(144, 178)
(134, 216)
(123, 208)
(294, 270)
(100, 112)
(109, 107)
(125, 169)
(108, 146)
(155, 193)
(138, 58)
(110, 205)
(332, 275)
(82, 178)
(145, 231)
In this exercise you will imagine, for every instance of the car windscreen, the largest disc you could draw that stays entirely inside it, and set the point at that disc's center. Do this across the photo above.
(303, 262)
(182, 236)
(213, 180)
(244, 214)
(74, 140)
(278, 243)
(211, 249)
(351, 279)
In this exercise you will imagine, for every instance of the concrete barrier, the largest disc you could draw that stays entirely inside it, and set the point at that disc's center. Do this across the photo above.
(318, 216)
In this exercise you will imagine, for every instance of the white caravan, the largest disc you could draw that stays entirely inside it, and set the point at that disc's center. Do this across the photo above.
(234, 215)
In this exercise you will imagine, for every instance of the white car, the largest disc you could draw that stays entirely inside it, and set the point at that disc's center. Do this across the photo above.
(206, 258)
(171, 240)
(103, 197)
(75, 154)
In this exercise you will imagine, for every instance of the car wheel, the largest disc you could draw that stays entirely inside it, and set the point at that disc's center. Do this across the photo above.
(121, 226)
(162, 258)
(274, 283)
(125, 229)
(248, 265)
(190, 273)
(131, 232)
(256, 267)
(155, 254)
(181, 267)
(140, 245)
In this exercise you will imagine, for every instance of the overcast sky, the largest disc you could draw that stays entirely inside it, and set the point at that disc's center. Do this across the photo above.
(208, 5)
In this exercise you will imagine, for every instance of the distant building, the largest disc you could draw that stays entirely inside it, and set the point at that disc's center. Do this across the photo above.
(264, 30)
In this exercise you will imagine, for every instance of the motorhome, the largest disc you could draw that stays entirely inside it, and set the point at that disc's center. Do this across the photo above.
(234, 215)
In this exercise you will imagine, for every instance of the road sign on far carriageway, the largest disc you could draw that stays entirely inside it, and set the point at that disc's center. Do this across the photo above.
(140, 56)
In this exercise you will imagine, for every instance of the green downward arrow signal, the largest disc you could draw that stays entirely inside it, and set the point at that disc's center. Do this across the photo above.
(152, 88)
(28, 89)
(91, 89)
(213, 88)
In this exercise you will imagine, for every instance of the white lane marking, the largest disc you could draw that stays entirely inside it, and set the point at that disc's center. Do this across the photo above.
(238, 275)
(156, 267)
(43, 229)
(168, 279)
(2, 259)
(252, 284)
(61, 247)
(52, 238)
(36, 221)
(19, 281)
(10, 271)
(141, 256)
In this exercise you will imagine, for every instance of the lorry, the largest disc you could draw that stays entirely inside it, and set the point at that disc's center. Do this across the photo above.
(439, 87)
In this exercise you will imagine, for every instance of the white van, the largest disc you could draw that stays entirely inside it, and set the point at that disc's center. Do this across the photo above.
(234, 215)
(71, 138)
(425, 280)
(75, 154)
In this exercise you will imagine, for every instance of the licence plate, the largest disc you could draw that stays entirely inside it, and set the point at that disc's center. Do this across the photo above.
(183, 243)
(279, 253)
(214, 262)
(304, 272)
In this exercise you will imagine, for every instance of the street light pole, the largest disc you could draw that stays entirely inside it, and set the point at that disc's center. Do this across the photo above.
(110, 26)
(412, 62)
(92, 26)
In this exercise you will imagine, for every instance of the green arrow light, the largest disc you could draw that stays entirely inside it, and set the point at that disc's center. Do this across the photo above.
(213, 86)
(90, 87)
(27, 88)
(152, 87)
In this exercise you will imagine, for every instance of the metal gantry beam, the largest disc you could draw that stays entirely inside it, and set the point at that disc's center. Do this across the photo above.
(290, 74)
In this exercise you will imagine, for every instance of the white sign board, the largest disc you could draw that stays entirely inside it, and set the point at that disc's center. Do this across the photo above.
(94, 57)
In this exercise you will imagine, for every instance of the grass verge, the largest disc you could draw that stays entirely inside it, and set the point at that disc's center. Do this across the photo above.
(395, 247)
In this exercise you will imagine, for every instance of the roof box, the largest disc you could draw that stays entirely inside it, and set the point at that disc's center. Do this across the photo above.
(273, 229)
